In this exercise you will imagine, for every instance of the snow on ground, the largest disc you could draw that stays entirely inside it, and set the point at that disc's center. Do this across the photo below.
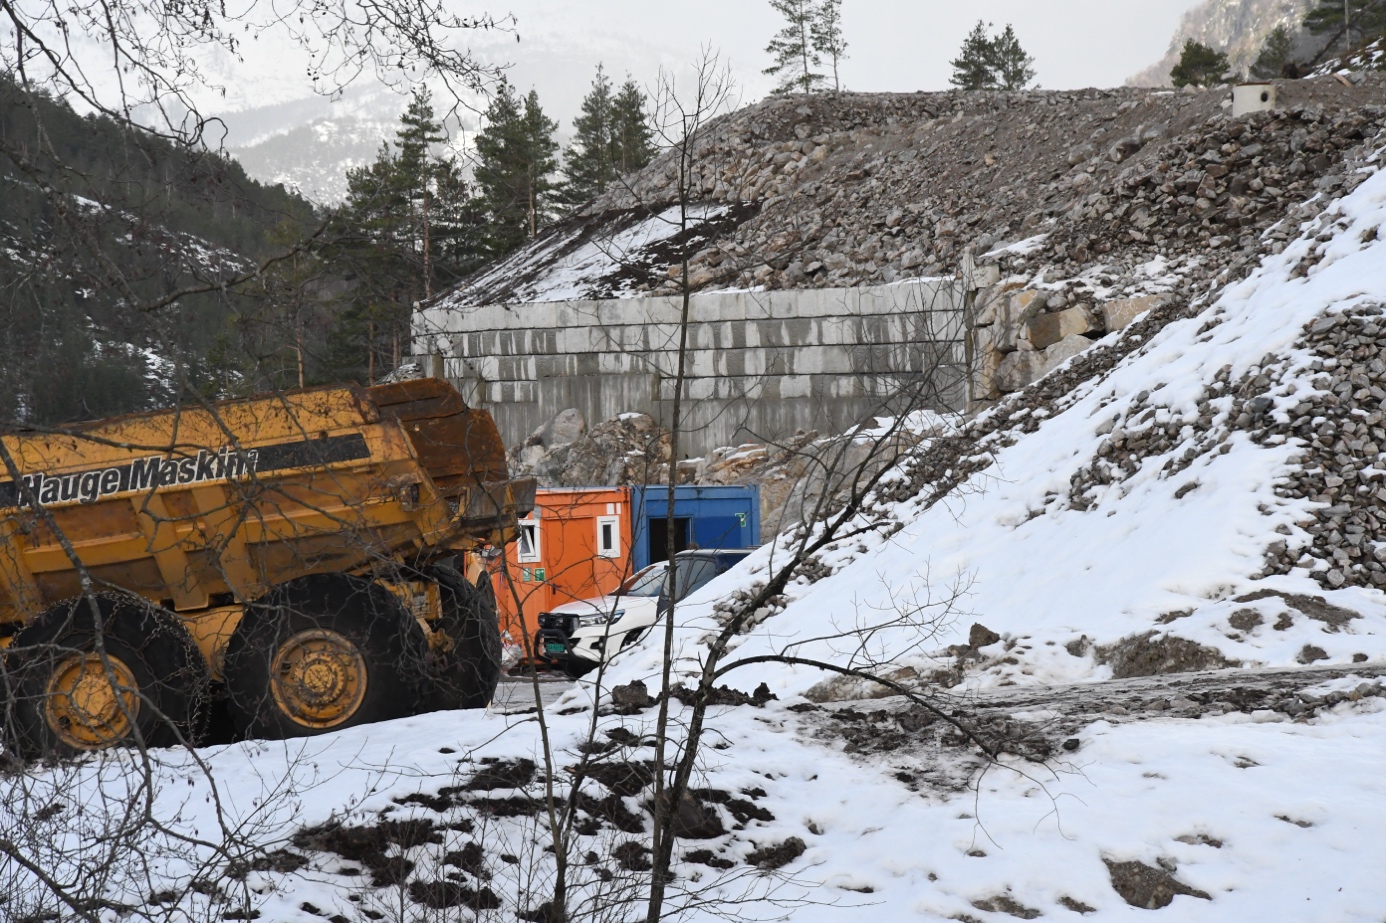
(571, 263)
(1270, 819)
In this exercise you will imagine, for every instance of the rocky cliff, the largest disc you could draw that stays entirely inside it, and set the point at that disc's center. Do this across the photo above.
(1237, 27)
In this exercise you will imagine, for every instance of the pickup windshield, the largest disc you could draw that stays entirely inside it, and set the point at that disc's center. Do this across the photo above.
(648, 582)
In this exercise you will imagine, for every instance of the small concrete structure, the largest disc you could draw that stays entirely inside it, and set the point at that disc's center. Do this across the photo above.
(1252, 97)
(758, 365)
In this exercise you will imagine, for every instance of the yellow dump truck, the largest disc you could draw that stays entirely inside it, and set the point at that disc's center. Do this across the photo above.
(289, 559)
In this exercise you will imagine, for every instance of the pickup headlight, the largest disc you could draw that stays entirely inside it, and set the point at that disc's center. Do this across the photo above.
(590, 621)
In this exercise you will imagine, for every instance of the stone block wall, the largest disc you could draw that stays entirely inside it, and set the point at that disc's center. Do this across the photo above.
(759, 366)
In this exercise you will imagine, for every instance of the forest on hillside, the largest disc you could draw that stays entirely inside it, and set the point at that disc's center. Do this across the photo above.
(138, 271)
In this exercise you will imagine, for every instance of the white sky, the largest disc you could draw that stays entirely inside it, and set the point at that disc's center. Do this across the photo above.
(895, 45)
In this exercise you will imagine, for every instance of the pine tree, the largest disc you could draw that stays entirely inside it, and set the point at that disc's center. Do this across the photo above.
(1199, 66)
(632, 136)
(1363, 18)
(1011, 67)
(588, 163)
(972, 68)
(826, 31)
(793, 48)
(1275, 54)
(515, 162)
(409, 225)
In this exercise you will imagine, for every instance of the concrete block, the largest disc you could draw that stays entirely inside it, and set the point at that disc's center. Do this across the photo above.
(1252, 97)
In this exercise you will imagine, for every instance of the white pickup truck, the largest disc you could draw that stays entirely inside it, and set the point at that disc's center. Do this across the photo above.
(578, 636)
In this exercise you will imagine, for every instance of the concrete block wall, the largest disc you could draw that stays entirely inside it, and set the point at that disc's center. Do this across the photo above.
(758, 365)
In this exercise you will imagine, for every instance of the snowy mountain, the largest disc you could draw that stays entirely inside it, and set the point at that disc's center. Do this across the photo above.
(308, 142)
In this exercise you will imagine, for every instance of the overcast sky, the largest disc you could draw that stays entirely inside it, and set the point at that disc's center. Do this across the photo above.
(898, 45)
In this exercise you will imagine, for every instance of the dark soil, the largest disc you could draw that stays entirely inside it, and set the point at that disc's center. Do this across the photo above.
(1146, 887)
(369, 845)
(470, 859)
(1153, 655)
(1314, 607)
(633, 856)
(624, 778)
(280, 860)
(1004, 903)
(725, 695)
(501, 774)
(709, 858)
(777, 856)
(516, 806)
(443, 894)
(744, 811)
(613, 810)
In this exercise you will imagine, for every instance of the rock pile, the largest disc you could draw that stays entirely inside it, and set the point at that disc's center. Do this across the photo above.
(1194, 211)
(630, 449)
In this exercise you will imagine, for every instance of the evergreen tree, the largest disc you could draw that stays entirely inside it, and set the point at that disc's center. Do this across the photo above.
(972, 68)
(409, 225)
(1199, 66)
(588, 164)
(1363, 18)
(1011, 67)
(826, 30)
(515, 162)
(1275, 55)
(793, 48)
(632, 136)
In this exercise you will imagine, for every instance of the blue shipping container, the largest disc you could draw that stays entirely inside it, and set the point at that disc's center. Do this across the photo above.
(704, 517)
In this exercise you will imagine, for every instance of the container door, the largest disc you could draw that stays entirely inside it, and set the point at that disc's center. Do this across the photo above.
(659, 537)
(716, 532)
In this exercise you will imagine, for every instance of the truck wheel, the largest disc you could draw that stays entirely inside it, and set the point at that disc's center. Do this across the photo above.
(65, 699)
(321, 653)
(465, 676)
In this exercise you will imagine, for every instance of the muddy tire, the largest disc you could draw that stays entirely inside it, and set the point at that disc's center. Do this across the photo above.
(466, 675)
(65, 698)
(322, 653)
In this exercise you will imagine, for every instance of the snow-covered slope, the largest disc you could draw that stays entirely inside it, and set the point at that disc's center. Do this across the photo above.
(1151, 498)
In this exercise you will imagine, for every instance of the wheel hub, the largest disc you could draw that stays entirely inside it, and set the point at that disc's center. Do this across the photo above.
(89, 706)
(318, 678)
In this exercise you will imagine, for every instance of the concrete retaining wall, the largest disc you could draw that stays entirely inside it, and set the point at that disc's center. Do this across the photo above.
(758, 365)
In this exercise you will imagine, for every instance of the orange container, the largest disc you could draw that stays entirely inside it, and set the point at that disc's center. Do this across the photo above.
(576, 544)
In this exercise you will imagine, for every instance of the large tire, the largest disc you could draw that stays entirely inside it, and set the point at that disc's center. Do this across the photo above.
(466, 675)
(65, 698)
(321, 653)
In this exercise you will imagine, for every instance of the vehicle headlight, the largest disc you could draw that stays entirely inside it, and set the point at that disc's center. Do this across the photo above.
(590, 621)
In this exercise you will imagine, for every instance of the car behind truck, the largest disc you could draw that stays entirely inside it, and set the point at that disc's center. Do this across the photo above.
(287, 558)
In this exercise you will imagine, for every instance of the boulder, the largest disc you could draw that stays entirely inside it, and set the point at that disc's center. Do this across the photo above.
(1118, 314)
(1019, 369)
(1045, 330)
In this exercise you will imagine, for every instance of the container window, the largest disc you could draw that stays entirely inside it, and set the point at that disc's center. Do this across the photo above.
(527, 546)
(609, 536)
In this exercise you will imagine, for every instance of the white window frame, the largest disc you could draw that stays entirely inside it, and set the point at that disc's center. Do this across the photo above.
(615, 550)
(529, 534)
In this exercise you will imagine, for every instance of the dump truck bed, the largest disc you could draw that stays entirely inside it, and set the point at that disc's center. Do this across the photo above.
(213, 505)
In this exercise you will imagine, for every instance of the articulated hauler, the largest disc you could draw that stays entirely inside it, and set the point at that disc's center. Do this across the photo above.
(288, 562)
